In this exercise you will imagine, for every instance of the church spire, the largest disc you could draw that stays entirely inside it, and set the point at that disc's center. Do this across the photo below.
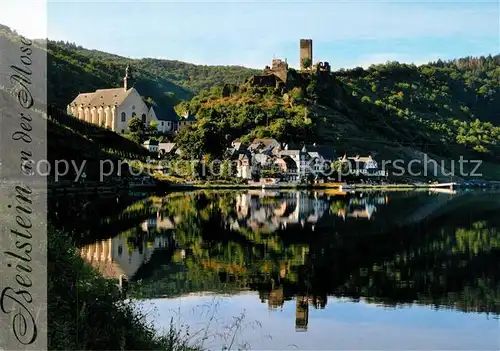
(127, 80)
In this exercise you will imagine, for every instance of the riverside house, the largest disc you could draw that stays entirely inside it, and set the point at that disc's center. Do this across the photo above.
(293, 163)
(363, 165)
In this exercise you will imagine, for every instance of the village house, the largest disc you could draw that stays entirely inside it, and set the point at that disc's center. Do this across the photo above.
(186, 119)
(151, 145)
(165, 116)
(235, 150)
(366, 165)
(293, 163)
(309, 160)
(244, 166)
(168, 151)
(263, 145)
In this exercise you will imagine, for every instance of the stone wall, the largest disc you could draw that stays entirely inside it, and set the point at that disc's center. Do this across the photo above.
(305, 51)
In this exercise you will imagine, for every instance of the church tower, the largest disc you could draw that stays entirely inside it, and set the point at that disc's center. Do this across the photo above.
(128, 81)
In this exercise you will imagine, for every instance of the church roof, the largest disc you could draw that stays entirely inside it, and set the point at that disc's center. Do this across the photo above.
(102, 97)
(165, 113)
(82, 98)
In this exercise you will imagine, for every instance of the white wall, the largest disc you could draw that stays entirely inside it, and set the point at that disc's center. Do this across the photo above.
(163, 126)
(151, 116)
(132, 100)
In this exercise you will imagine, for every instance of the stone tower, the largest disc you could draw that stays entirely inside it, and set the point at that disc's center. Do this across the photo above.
(301, 313)
(306, 52)
(128, 80)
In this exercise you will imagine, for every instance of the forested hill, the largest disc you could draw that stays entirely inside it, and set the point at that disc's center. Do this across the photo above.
(395, 110)
(74, 69)
(464, 89)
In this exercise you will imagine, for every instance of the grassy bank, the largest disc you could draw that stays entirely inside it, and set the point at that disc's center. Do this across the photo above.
(86, 311)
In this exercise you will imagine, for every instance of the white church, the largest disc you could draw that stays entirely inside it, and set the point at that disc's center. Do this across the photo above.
(114, 108)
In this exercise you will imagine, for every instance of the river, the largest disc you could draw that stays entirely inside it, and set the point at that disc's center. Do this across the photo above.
(276, 270)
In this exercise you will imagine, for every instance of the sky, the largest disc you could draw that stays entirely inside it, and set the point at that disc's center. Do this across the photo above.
(251, 33)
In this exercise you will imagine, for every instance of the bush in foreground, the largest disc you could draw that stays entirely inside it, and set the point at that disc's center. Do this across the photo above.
(86, 311)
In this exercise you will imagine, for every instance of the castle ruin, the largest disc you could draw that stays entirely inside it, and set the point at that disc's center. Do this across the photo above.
(278, 74)
(279, 68)
(306, 53)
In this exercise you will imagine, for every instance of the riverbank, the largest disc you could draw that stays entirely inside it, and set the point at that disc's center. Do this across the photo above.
(87, 312)
(161, 185)
(360, 186)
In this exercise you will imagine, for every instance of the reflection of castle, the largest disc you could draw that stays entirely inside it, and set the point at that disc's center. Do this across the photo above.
(301, 313)
(276, 298)
(274, 212)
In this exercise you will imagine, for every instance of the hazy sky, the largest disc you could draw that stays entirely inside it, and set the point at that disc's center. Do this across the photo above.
(251, 33)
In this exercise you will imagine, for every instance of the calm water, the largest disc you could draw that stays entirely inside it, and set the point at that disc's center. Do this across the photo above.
(306, 270)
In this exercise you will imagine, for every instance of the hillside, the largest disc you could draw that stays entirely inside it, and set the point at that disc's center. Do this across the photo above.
(445, 109)
(74, 69)
(396, 111)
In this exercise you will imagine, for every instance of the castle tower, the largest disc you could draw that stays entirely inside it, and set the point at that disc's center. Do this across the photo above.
(128, 81)
(306, 48)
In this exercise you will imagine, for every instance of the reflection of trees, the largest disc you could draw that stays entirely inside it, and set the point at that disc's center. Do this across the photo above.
(444, 263)
(453, 267)
(91, 216)
(480, 238)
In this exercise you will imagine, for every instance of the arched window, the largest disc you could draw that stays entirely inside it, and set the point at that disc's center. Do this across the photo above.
(143, 118)
(124, 116)
(133, 114)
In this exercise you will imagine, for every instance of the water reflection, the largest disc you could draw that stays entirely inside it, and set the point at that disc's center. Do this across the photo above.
(122, 255)
(299, 247)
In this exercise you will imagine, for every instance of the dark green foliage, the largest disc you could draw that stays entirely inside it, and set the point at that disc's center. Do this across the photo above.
(449, 261)
(255, 112)
(73, 69)
(80, 141)
(137, 129)
(306, 62)
(454, 102)
(428, 108)
(86, 311)
(135, 125)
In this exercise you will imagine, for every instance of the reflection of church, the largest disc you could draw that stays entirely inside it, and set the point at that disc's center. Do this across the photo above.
(114, 257)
